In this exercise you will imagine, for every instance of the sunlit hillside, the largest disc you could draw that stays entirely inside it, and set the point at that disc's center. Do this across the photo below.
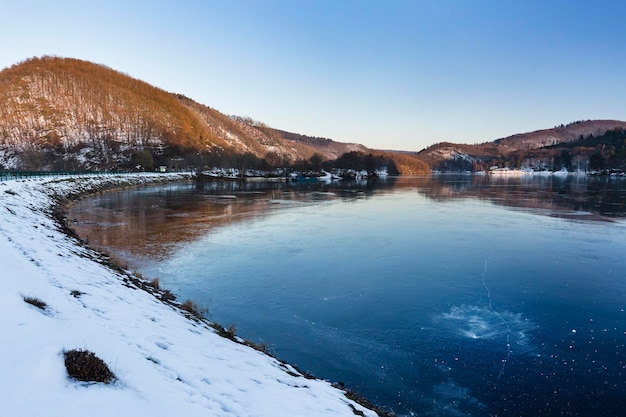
(68, 114)
(83, 114)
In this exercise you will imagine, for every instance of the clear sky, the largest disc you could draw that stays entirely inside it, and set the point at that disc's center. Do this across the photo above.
(388, 74)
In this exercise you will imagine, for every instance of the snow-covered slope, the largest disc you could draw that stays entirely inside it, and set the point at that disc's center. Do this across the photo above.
(165, 363)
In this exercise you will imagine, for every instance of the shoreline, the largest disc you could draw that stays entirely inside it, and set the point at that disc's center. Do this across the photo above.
(56, 196)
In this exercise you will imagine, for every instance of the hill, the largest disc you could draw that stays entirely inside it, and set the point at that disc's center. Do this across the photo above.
(68, 114)
(327, 147)
(514, 150)
(559, 134)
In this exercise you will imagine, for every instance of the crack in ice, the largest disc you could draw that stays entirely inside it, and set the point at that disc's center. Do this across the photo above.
(499, 316)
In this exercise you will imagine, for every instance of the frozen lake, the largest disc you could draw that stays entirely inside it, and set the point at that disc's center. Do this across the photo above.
(437, 296)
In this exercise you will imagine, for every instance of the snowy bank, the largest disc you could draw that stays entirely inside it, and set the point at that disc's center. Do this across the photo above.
(165, 364)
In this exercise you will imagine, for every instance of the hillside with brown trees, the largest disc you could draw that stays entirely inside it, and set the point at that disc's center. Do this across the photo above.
(546, 149)
(68, 114)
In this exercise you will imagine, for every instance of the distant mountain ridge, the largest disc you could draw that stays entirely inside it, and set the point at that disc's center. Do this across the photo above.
(559, 134)
(69, 114)
(328, 147)
(448, 156)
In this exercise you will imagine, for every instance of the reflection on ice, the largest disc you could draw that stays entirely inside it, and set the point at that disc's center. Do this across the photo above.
(484, 323)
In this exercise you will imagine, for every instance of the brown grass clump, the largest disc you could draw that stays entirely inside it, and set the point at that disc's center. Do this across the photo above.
(154, 284)
(36, 302)
(84, 365)
(194, 309)
(168, 296)
(261, 347)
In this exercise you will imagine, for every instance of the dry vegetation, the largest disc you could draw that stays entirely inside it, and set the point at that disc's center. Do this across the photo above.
(36, 302)
(85, 366)
(61, 101)
(68, 114)
(195, 309)
(407, 164)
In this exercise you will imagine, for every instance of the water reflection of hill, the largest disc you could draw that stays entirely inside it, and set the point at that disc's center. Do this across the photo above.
(573, 196)
(147, 223)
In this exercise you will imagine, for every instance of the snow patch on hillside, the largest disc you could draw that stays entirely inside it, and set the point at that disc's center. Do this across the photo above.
(446, 153)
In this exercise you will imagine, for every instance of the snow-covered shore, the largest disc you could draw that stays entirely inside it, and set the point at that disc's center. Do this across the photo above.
(165, 364)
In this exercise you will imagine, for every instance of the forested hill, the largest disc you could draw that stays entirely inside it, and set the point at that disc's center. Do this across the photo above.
(560, 134)
(536, 149)
(329, 146)
(68, 114)
(72, 114)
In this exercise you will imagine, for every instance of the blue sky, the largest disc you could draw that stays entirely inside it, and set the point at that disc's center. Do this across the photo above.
(387, 74)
